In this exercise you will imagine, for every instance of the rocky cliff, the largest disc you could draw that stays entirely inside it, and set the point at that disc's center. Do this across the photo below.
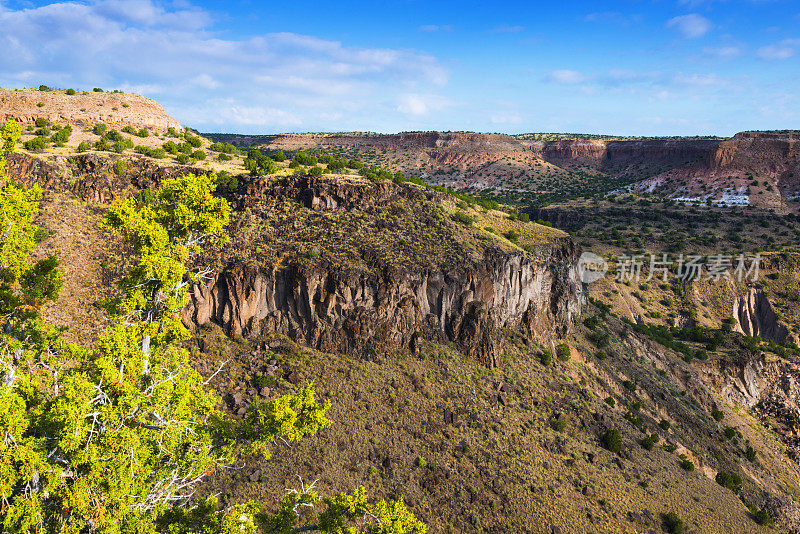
(117, 110)
(385, 304)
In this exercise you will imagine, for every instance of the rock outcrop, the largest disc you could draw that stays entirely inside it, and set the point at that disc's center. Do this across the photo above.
(754, 316)
(352, 308)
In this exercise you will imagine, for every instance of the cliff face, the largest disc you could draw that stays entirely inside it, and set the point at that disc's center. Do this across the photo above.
(387, 305)
(117, 110)
(353, 310)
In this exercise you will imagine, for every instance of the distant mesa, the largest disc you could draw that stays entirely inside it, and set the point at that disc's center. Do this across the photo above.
(115, 109)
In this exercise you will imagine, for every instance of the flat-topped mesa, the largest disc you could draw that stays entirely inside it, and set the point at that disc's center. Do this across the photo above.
(117, 110)
(380, 284)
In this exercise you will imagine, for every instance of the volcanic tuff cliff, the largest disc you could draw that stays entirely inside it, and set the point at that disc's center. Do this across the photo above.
(395, 288)
(116, 110)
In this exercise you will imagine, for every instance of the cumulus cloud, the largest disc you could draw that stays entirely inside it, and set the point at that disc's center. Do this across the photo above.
(690, 26)
(724, 52)
(436, 28)
(262, 83)
(782, 50)
(504, 28)
(421, 104)
(566, 77)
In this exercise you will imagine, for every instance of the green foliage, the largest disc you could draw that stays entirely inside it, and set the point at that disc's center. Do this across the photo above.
(258, 164)
(649, 442)
(612, 440)
(99, 129)
(228, 148)
(563, 352)
(41, 122)
(70, 92)
(44, 88)
(762, 517)
(194, 142)
(559, 423)
(686, 464)
(463, 218)
(591, 322)
(610, 401)
(421, 462)
(731, 481)
(546, 357)
(664, 424)
(165, 227)
(717, 415)
(62, 136)
(750, 453)
(84, 146)
(36, 144)
(511, 235)
(316, 170)
(672, 523)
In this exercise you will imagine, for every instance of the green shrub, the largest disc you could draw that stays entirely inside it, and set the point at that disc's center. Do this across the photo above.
(44, 88)
(664, 424)
(630, 386)
(731, 481)
(422, 462)
(612, 440)
(183, 159)
(41, 122)
(70, 92)
(600, 339)
(512, 236)
(601, 355)
(559, 423)
(258, 164)
(729, 432)
(563, 352)
(546, 357)
(84, 146)
(129, 130)
(99, 129)
(649, 442)
(224, 157)
(750, 453)
(144, 132)
(610, 401)
(36, 144)
(672, 523)
(717, 415)
(591, 322)
(686, 464)
(463, 218)
(316, 170)
(227, 182)
(62, 135)
(195, 142)
(97, 90)
(669, 447)
(762, 517)
(199, 155)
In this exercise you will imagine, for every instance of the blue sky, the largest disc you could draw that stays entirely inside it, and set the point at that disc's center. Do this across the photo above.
(638, 67)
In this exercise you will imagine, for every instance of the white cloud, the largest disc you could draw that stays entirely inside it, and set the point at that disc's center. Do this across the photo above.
(421, 104)
(782, 50)
(567, 77)
(504, 28)
(258, 84)
(435, 28)
(724, 52)
(506, 118)
(690, 26)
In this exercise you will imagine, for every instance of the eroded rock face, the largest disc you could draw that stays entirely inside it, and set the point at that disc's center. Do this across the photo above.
(354, 310)
(755, 317)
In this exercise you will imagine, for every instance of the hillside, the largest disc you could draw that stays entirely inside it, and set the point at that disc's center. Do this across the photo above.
(114, 109)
